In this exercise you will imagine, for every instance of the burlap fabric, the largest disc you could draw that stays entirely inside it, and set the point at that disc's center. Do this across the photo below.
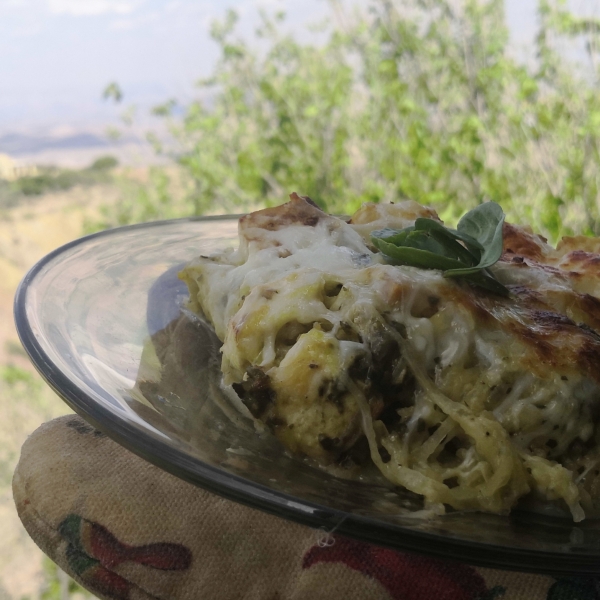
(127, 530)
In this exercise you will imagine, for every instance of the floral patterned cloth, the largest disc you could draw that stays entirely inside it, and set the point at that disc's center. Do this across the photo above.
(127, 530)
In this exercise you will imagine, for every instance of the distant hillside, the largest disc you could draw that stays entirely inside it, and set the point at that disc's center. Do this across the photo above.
(17, 144)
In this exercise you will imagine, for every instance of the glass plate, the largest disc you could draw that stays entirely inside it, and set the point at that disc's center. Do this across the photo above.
(102, 320)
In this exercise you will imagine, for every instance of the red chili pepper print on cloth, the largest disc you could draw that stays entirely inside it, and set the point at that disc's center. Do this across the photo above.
(93, 551)
(405, 576)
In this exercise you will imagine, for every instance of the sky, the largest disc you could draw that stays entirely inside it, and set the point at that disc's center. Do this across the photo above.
(56, 56)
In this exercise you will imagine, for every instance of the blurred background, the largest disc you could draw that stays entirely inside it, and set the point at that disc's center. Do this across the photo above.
(121, 111)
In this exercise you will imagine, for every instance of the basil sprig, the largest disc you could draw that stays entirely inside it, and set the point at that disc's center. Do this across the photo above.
(466, 252)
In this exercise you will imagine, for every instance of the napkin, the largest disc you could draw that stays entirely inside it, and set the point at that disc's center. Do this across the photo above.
(127, 530)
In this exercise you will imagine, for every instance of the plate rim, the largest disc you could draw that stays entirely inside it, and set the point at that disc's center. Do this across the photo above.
(261, 497)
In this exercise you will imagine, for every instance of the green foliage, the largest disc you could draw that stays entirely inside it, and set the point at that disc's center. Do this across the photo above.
(148, 200)
(113, 92)
(52, 179)
(59, 586)
(422, 101)
(48, 181)
(15, 376)
(104, 163)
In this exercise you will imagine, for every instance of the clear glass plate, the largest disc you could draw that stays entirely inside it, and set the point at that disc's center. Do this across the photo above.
(87, 313)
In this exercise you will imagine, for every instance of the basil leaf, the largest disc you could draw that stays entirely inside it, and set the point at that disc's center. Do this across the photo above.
(414, 257)
(432, 239)
(433, 225)
(484, 223)
(455, 249)
(394, 236)
(466, 252)
(422, 240)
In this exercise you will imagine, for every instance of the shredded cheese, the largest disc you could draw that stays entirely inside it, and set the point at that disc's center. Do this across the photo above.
(470, 400)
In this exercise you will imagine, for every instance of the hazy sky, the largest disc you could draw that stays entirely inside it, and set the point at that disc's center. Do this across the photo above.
(56, 56)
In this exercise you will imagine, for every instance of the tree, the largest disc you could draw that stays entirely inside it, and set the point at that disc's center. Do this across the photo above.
(422, 99)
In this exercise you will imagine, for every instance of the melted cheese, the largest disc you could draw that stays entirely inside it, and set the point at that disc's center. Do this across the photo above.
(468, 399)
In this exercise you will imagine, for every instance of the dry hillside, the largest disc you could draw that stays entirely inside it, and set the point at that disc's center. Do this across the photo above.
(27, 233)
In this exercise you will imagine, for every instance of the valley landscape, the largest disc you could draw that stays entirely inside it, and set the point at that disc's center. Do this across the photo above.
(30, 227)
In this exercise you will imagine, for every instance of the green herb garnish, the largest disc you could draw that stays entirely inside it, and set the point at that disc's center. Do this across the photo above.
(466, 252)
